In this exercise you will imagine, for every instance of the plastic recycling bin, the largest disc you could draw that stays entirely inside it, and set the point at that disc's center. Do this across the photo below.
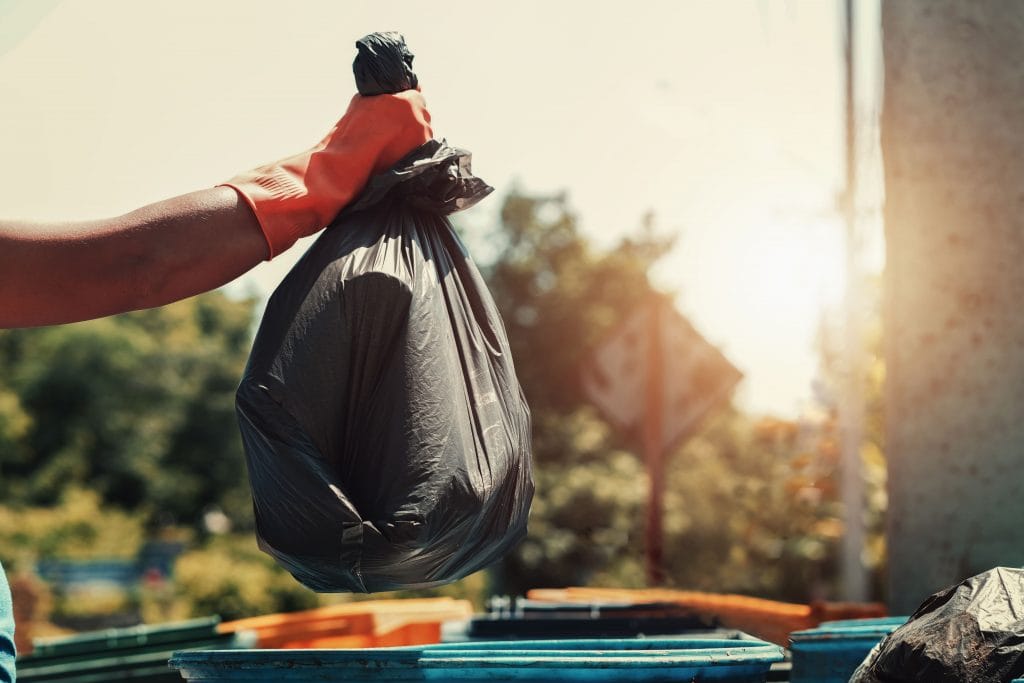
(735, 661)
(138, 653)
(831, 652)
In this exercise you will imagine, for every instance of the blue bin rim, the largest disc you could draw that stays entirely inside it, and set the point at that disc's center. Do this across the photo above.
(589, 645)
(876, 621)
(850, 629)
(675, 653)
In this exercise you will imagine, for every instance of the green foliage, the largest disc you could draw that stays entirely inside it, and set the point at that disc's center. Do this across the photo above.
(750, 509)
(585, 523)
(139, 408)
(229, 576)
(559, 296)
(78, 527)
(14, 427)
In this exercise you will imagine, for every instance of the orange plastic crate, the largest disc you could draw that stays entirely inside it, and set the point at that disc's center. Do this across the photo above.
(370, 623)
(767, 619)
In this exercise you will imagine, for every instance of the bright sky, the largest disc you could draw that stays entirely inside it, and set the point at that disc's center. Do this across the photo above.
(722, 117)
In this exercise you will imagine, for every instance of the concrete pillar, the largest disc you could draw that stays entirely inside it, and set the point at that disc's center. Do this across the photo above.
(953, 147)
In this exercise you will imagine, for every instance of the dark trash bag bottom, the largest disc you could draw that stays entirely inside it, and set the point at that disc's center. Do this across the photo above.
(973, 631)
(386, 435)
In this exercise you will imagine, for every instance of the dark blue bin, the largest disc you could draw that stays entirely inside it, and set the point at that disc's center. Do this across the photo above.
(131, 655)
(831, 652)
(728, 661)
(522, 619)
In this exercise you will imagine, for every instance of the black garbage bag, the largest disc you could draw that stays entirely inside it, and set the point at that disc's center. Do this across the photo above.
(386, 436)
(973, 631)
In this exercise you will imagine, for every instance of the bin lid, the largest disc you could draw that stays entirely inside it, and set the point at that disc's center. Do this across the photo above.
(565, 660)
(126, 638)
(138, 653)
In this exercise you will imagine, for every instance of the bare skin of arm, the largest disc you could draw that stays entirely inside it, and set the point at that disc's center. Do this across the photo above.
(66, 272)
(52, 273)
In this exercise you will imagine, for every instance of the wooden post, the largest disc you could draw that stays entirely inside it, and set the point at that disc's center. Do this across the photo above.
(853, 576)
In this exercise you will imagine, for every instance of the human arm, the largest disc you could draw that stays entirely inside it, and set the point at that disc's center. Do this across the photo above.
(53, 273)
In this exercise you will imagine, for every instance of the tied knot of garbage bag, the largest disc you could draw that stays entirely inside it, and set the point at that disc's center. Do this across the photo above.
(386, 435)
(433, 177)
(973, 631)
(383, 64)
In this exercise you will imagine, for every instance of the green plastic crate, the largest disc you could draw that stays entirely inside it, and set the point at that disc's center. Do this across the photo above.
(139, 653)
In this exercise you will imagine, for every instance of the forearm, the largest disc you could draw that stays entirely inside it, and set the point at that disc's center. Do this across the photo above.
(170, 250)
(65, 272)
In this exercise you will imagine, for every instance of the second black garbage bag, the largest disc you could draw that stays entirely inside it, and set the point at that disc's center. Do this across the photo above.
(386, 435)
(973, 631)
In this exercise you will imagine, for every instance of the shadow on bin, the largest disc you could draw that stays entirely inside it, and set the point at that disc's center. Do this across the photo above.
(521, 619)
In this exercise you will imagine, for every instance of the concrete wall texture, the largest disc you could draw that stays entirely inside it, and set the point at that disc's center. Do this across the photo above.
(953, 147)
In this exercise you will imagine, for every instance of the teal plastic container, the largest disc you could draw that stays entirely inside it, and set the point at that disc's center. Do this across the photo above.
(831, 652)
(138, 654)
(733, 661)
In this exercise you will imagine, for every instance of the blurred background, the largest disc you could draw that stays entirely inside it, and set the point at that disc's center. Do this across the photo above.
(723, 157)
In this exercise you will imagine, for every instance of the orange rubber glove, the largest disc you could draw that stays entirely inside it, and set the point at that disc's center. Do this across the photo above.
(298, 196)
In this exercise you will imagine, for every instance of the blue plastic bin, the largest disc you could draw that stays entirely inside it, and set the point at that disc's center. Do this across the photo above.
(831, 652)
(733, 661)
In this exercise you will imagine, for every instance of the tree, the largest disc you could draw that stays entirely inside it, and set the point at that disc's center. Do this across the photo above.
(751, 508)
(138, 408)
(558, 296)
(750, 503)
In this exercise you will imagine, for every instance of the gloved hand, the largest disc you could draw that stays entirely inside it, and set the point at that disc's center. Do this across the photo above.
(299, 195)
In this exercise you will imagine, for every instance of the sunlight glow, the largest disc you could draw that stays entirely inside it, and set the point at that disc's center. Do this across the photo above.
(784, 280)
